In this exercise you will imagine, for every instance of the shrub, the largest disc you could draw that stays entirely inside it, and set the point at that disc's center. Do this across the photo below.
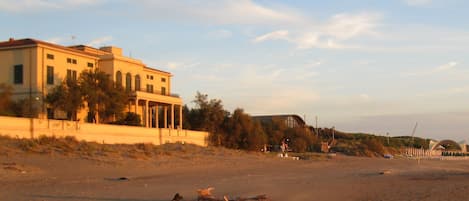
(130, 119)
(374, 146)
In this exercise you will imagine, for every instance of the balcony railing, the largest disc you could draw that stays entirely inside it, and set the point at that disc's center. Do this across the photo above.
(133, 93)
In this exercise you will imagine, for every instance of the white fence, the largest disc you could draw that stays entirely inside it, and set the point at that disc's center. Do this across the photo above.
(432, 154)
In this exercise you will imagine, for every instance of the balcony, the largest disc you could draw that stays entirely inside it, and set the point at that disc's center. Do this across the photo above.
(156, 95)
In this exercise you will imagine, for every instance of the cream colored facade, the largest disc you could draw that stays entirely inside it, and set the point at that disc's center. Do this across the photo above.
(44, 65)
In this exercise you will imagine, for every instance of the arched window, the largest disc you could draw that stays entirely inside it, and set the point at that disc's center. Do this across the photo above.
(118, 78)
(128, 82)
(137, 83)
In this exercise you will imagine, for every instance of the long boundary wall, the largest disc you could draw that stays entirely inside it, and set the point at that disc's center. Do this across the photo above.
(102, 133)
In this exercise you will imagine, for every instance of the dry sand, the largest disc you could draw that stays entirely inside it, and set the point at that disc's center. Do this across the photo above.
(54, 177)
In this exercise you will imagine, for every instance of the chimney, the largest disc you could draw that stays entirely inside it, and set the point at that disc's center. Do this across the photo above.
(11, 40)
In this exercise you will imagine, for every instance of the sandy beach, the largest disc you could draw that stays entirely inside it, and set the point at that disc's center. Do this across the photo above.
(54, 177)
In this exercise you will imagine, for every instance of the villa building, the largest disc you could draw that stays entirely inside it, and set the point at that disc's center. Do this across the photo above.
(33, 67)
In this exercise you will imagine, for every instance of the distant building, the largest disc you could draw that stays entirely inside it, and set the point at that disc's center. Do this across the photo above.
(291, 120)
(34, 67)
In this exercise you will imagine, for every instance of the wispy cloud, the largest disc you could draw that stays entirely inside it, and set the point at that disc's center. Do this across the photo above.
(275, 35)
(44, 5)
(417, 2)
(328, 35)
(218, 12)
(445, 67)
(177, 65)
(100, 41)
(439, 69)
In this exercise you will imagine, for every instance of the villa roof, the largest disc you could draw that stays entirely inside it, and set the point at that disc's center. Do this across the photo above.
(76, 48)
(29, 41)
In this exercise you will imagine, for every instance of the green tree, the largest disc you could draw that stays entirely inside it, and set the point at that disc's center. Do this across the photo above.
(66, 97)
(243, 132)
(275, 130)
(208, 115)
(301, 139)
(130, 118)
(186, 115)
(6, 91)
(104, 98)
(25, 107)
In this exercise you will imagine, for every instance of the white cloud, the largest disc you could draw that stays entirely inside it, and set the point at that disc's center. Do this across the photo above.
(364, 97)
(417, 2)
(99, 41)
(329, 35)
(218, 12)
(275, 35)
(178, 65)
(445, 67)
(346, 26)
(439, 69)
(44, 5)
(314, 63)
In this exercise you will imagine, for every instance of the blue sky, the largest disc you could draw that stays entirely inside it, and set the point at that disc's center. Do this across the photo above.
(368, 65)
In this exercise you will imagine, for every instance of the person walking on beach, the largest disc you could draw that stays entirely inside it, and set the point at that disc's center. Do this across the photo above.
(284, 148)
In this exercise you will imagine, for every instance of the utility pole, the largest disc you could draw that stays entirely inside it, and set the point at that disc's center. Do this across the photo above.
(316, 128)
(387, 135)
(413, 133)
(333, 133)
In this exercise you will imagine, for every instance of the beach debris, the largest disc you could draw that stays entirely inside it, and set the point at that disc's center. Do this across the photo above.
(177, 197)
(385, 172)
(118, 179)
(205, 192)
(123, 179)
(13, 167)
(388, 156)
(206, 195)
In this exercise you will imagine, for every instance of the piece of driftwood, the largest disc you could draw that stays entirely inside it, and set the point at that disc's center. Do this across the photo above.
(205, 194)
(225, 198)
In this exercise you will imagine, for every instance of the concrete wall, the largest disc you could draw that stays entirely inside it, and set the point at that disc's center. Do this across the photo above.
(102, 133)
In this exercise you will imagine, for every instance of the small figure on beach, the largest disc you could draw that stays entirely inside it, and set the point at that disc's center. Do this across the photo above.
(284, 147)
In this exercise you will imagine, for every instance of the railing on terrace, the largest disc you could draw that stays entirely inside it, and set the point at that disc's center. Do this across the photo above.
(133, 93)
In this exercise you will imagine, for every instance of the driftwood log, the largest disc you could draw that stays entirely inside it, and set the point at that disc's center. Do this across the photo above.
(206, 195)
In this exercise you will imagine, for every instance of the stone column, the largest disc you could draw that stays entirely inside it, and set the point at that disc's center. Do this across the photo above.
(136, 106)
(157, 112)
(165, 108)
(172, 116)
(147, 116)
(180, 117)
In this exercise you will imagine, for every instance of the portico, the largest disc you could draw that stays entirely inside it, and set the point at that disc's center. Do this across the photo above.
(156, 110)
